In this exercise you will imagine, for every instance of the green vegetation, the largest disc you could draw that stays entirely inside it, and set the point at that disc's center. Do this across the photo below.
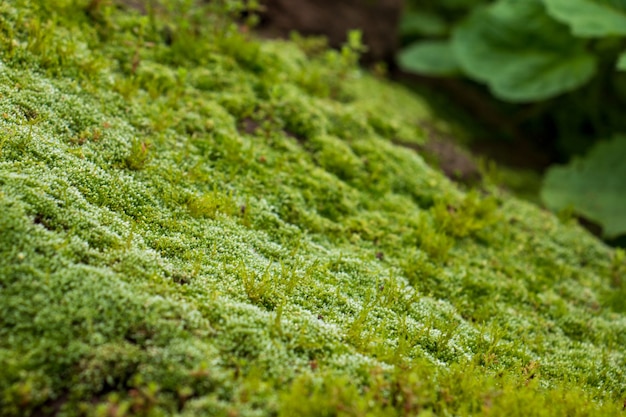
(564, 57)
(593, 185)
(194, 222)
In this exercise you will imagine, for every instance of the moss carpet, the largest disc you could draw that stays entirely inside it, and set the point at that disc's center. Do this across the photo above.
(194, 222)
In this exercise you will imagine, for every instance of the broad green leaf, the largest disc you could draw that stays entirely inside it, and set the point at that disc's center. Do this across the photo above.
(422, 24)
(520, 52)
(590, 18)
(621, 62)
(429, 58)
(594, 186)
(460, 4)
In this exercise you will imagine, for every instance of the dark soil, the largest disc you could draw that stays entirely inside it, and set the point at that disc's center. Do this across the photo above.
(377, 20)
(442, 150)
(494, 132)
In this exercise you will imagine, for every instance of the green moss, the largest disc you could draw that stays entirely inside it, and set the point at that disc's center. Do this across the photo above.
(195, 222)
(467, 216)
(139, 155)
(336, 157)
(212, 204)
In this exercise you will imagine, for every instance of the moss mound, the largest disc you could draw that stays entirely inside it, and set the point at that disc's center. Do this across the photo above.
(194, 222)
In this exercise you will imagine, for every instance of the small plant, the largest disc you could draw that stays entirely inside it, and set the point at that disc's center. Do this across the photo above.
(560, 65)
(260, 290)
(357, 333)
(211, 204)
(465, 217)
(353, 48)
(139, 155)
(524, 62)
(434, 242)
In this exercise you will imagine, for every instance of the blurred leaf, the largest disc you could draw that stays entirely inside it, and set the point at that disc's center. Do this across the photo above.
(429, 58)
(621, 62)
(590, 18)
(422, 24)
(593, 186)
(520, 52)
(460, 4)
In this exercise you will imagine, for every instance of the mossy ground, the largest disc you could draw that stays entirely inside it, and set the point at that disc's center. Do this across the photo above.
(194, 222)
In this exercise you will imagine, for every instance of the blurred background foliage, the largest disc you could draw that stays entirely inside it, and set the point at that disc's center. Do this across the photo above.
(553, 72)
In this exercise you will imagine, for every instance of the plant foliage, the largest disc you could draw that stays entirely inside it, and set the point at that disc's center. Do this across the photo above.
(430, 57)
(567, 56)
(590, 18)
(594, 186)
(621, 62)
(517, 48)
(520, 52)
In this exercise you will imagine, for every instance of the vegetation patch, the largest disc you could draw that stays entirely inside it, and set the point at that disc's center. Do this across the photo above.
(156, 258)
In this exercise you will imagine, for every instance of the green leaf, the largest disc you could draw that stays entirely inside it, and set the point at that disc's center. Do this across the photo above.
(459, 4)
(520, 52)
(429, 58)
(422, 24)
(621, 62)
(593, 186)
(590, 18)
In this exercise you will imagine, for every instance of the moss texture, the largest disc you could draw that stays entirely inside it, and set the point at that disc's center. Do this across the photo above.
(194, 222)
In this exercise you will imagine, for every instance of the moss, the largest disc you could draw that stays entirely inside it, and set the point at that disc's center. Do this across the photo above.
(198, 222)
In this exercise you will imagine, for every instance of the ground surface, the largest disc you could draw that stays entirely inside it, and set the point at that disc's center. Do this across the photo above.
(196, 223)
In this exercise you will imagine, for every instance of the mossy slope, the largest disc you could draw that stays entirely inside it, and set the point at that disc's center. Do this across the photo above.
(196, 223)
